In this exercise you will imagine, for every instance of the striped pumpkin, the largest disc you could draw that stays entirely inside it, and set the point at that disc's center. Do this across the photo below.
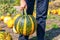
(25, 25)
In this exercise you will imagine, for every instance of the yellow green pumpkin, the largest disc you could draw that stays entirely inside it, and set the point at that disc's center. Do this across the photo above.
(25, 24)
(4, 35)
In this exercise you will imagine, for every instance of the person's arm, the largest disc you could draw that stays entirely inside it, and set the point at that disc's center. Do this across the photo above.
(23, 4)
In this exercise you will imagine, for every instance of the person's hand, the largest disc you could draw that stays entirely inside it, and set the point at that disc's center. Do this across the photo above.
(23, 4)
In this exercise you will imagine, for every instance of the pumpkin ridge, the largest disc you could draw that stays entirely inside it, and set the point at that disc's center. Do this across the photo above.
(32, 29)
(15, 24)
(17, 28)
(20, 25)
(24, 29)
(34, 21)
(29, 25)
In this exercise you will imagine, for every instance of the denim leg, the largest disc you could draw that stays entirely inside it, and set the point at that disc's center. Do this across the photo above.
(42, 7)
(30, 6)
(21, 37)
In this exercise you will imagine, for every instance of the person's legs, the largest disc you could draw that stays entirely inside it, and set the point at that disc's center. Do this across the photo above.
(42, 7)
(30, 8)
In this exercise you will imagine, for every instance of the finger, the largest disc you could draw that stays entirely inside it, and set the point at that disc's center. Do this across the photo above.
(22, 7)
(26, 7)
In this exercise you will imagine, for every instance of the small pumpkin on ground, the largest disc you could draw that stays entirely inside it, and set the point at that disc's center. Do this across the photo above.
(4, 35)
(6, 19)
(10, 23)
(2, 18)
(54, 11)
(58, 10)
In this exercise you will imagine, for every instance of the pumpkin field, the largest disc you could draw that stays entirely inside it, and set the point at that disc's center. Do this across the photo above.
(12, 21)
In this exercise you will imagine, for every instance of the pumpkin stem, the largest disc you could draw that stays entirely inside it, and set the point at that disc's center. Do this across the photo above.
(24, 12)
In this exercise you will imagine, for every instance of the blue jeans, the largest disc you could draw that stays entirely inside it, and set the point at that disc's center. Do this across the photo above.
(41, 10)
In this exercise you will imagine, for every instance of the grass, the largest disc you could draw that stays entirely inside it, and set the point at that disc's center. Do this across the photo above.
(53, 19)
(53, 28)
